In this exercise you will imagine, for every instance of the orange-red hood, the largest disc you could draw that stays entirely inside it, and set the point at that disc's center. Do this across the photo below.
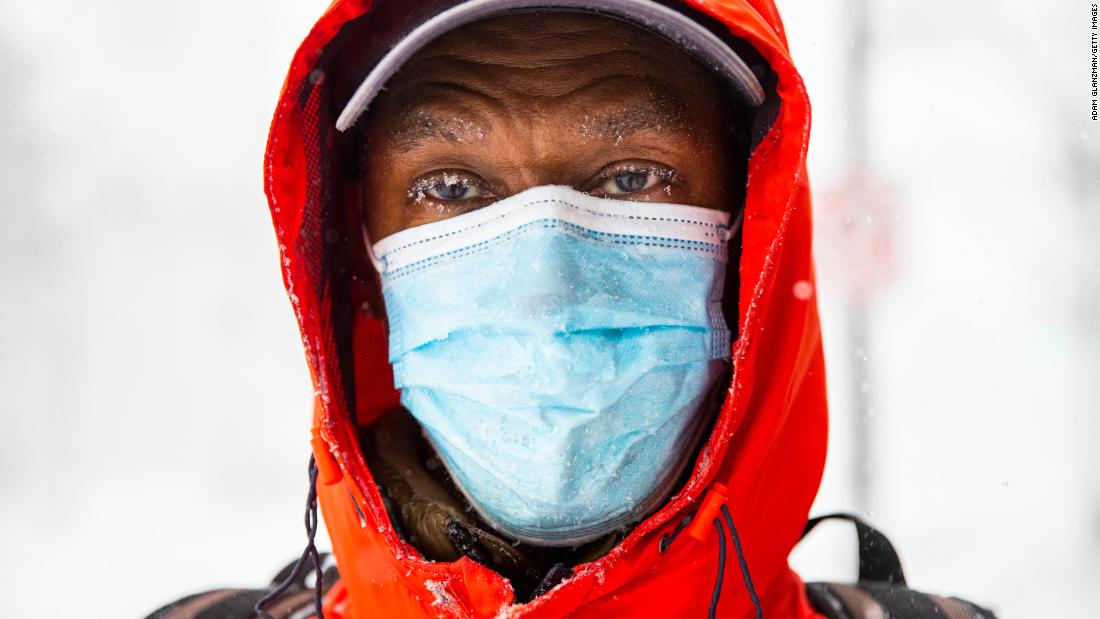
(767, 445)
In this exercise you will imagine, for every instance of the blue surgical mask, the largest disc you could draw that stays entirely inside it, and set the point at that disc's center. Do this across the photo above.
(562, 353)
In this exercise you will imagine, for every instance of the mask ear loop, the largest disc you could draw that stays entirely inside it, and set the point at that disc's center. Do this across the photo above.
(374, 259)
(735, 225)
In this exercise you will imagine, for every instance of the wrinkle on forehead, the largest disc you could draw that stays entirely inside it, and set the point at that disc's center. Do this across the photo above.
(591, 79)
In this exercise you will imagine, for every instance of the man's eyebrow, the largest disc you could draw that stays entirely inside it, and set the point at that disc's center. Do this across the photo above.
(416, 125)
(655, 112)
(659, 112)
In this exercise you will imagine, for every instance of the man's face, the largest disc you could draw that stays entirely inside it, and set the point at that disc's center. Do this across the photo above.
(503, 105)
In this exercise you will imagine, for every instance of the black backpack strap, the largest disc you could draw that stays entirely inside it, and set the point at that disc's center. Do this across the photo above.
(881, 590)
(878, 561)
(827, 601)
(217, 604)
(240, 603)
(864, 600)
(902, 602)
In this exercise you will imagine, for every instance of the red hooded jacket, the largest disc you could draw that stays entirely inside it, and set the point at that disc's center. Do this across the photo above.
(767, 447)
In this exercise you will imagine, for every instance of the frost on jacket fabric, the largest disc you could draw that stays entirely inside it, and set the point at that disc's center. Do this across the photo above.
(767, 444)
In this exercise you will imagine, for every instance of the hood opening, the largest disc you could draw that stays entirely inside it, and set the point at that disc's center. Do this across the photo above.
(766, 444)
(331, 240)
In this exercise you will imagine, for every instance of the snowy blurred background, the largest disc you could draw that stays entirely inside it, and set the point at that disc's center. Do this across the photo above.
(153, 390)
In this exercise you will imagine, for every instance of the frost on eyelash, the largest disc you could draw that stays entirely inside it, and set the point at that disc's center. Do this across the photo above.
(668, 177)
(636, 168)
(419, 191)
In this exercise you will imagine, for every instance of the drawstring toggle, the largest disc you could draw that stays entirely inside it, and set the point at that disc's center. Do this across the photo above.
(701, 524)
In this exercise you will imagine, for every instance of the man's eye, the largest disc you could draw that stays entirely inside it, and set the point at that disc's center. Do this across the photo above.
(449, 188)
(622, 183)
(453, 191)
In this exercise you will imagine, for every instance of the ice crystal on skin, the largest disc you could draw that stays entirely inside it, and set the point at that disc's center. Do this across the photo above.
(418, 125)
(660, 113)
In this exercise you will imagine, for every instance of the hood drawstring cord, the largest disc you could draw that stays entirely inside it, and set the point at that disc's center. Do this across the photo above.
(740, 559)
(721, 570)
(710, 505)
(309, 553)
(668, 538)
